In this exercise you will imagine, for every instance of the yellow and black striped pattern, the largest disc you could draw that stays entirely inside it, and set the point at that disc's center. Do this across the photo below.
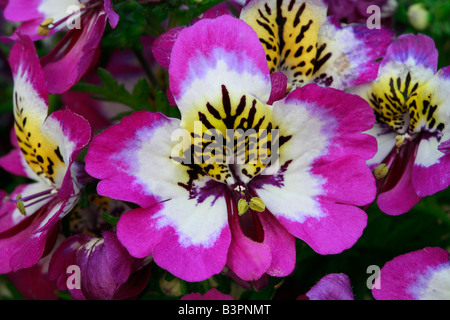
(288, 30)
(404, 104)
(231, 138)
(41, 152)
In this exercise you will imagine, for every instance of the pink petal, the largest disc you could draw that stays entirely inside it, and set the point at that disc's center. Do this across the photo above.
(334, 286)
(401, 274)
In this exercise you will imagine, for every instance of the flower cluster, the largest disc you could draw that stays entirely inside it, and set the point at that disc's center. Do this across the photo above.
(238, 140)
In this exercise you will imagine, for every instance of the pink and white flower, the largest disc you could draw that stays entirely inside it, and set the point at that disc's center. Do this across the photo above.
(418, 275)
(410, 100)
(197, 217)
(45, 151)
(302, 44)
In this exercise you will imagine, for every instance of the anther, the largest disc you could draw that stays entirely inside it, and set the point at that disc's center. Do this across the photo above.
(43, 28)
(380, 171)
(257, 204)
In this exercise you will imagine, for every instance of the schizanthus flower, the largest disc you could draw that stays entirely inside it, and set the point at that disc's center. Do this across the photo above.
(205, 205)
(45, 151)
(410, 101)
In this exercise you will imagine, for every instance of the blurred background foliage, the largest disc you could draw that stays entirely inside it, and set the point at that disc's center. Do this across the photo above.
(427, 224)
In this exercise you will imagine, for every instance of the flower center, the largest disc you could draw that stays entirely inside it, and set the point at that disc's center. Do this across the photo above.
(232, 140)
(40, 150)
(405, 106)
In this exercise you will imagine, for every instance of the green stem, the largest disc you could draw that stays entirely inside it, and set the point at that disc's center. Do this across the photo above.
(148, 71)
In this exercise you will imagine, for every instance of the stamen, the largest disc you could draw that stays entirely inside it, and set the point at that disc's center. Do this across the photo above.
(48, 24)
(33, 196)
(20, 201)
(21, 207)
(381, 171)
(43, 28)
(256, 204)
(399, 140)
(242, 206)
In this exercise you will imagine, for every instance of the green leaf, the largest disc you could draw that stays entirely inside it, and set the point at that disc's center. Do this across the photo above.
(112, 91)
(110, 219)
(141, 95)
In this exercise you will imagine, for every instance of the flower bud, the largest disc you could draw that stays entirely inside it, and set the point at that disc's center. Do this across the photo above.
(418, 16)
(172, 288)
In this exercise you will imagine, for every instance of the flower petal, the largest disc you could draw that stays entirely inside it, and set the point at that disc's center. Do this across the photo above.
(430, 171)
(326, 149)
(334, 286)
(289, 32)
(113, 17)
(119, 260)
(412, 51)
(162, 47)
(96, 279)
(202, 62)
(23, 247)
(418, 275)
(385, 140)
(282, 246)
(349, 55)
(149, 232)
(74, 54)
(402, 196)
(118, 154)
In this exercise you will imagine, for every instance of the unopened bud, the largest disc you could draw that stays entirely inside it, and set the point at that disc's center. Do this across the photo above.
(172, 288)
(418, 16)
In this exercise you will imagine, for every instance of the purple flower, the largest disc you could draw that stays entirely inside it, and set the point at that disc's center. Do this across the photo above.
(418, 275)
(411, 104)
(199, 215)
(45, 151)
(106, 269)
(85, 23)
